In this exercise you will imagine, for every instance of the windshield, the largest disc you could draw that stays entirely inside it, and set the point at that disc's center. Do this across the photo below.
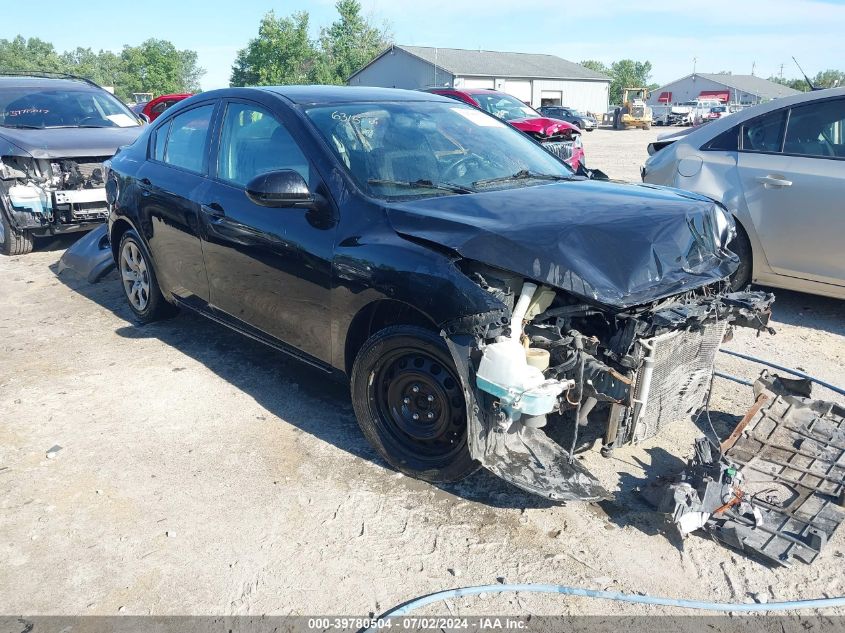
(23, 107)
(427, 148)
(504, 106)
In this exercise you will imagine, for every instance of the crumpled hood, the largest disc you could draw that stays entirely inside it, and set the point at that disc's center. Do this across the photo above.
(71, 142)
(616, 244)
(543, 125)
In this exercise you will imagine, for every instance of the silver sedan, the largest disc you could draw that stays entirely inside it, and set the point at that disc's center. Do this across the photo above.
(780, 169)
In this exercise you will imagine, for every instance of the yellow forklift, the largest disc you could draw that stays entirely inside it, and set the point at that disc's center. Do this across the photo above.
(634, 111)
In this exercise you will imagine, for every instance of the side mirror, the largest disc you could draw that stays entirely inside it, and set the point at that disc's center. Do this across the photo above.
(144, 118)
(282, 188)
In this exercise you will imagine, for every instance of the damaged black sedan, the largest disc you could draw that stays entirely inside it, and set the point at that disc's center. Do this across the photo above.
(475, 292)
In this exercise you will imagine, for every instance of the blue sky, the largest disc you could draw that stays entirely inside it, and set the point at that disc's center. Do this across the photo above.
(722, 36)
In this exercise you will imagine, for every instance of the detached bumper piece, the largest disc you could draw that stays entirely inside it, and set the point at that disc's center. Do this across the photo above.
(778, 490)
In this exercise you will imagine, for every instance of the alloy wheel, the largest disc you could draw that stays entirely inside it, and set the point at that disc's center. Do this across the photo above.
(135, 276)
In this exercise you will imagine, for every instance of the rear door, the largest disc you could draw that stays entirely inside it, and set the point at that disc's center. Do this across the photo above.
(173, 182)
(268, 268)
(792, 167)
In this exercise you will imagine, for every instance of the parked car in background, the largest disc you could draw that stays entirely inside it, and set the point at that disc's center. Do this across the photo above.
(154, 108)
(55, 133)
(780, 169)
(405, 240)
(585, 122)
(561, 138)
(706, 116)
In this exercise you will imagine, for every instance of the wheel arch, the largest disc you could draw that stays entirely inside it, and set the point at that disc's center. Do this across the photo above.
(378, 315)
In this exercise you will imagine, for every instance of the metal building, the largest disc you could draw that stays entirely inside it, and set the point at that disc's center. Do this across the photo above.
(740, 89)
(535, 79)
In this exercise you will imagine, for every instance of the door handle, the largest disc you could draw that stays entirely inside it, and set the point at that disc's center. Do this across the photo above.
(214, 210)
(774, 181)
(145, 182)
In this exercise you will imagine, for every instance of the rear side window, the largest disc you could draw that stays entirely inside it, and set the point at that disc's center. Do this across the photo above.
(817, 129)
(765, 133)
(187, 143)
(727, 141)
(160, 141)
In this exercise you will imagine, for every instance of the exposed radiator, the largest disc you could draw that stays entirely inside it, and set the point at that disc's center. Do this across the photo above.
(683, 365)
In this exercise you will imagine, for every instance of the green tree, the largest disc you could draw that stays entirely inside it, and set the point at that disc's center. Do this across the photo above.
(349, 43)
(627, 73)
(281, 54)
(829, 79)
(29, 54)
(157, 66)
(596, 66)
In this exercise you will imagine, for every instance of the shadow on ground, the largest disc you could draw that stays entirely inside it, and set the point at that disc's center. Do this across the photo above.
(804, 310)
(322, 407)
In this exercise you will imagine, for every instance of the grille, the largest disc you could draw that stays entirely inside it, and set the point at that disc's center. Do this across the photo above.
(561, 149)
(683, 365)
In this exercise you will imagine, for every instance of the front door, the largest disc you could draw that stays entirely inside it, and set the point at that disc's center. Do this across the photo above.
(173, 182)
(268, 268)
(792, 166)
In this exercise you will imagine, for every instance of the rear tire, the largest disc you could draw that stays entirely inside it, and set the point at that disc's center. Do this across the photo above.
(741, 246)
(409, 403)
(13, 242)
(138, 280)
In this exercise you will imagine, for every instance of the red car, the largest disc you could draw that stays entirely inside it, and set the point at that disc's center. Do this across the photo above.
(152, 109)
(559, 137)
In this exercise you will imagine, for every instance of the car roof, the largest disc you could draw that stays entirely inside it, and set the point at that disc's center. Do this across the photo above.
(17, 81)
(315, 95)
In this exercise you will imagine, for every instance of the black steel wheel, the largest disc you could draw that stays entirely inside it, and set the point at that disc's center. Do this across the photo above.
(410, 404)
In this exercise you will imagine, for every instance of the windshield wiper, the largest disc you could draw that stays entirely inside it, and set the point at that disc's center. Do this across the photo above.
(422, 183)
(523, 174)
(23, 127)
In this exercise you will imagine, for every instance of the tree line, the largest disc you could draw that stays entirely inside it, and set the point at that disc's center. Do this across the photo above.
(155, 66)
(283, 52)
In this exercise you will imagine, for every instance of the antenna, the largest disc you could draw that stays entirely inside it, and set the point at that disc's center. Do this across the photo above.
(694, 60)
(806, 78)
(753, 66)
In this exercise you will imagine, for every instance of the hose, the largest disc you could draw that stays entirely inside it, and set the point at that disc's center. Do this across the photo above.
(794, 372)
(724, 607)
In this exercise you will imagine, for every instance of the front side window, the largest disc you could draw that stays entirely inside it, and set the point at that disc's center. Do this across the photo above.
(817, 129)
(765, 133)
(416, 149)
(187, 143)
(504, 106)
(53, 108)
(255, 142)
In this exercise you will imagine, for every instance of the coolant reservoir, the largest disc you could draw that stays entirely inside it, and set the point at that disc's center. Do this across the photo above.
(505, 373)
(28, 197)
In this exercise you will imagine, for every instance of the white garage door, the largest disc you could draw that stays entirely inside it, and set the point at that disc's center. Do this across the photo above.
(478, 84)
(519, 89)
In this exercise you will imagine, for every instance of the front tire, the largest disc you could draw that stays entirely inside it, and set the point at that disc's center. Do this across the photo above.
(13, 242)
(139, 282)
(410, 404)
(741, 247)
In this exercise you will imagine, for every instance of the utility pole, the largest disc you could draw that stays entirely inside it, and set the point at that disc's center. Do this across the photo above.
(694, 60)
(781, 71)
(753, 66)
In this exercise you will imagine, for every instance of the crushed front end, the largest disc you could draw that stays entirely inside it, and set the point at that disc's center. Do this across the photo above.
(555, 362)
(53, 195)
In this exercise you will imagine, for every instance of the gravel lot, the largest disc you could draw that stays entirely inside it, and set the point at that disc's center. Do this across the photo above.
(201, 473)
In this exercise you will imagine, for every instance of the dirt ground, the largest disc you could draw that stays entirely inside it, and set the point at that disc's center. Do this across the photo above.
(202, 473)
